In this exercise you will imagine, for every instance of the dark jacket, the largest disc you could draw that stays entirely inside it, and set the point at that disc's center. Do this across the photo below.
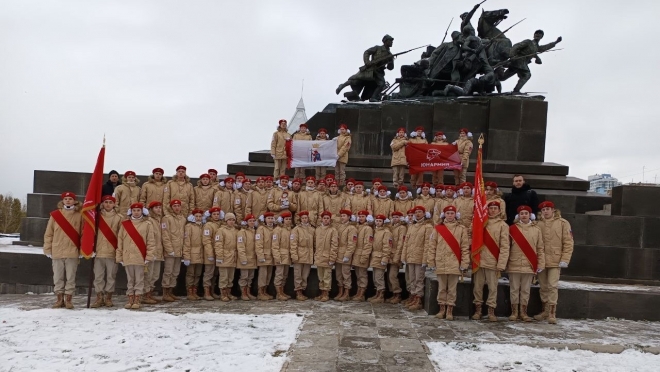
(522, 196)
(109, 188)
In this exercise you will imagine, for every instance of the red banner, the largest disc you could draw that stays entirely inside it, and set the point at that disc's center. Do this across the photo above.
(89, 209)
(424, 158)
(480, 211)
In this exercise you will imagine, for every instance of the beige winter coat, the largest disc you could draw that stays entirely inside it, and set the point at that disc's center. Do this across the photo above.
(442, 257)
(415, 244)
(103, 247)
(56, 242)
(173, 229)
(384, 206)
(127, 251)
(298, 136)
(282, 246)
(440, 205)
(274, 201)
(360, 202)
(347, 236)
(193, 247)
(226, 239)
(464, 150)
(382, 248)
(152, 191)
(499, 231)
(246, 249)
(335, 203)
(499, 199)
(557, 240)
(204, 196)
(364, 246)
(126, 194)
(325, 244)
(312, 202)
(256, 202)
(398, 239)
(343, 146)
(182, 191)
(264, 244)
(398, 146)
(404, 205)
(427, 202)
(302, 244)
(208, 238)
(240, 200)
(224, 199)
(518, 262)
(159, 251)
(465, 206)
(278, 143)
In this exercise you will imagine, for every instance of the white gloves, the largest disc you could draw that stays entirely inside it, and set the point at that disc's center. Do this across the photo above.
(261, 218)
(370, 218)
(538, 271)
(423, 265)
(345, 260)
(191, 218)
(432, 191)
(146, 262)
(428, 215)
(81, 256)
(243, 262)
(352, 218)
(403, 262)
(210, 259)
(218, 261)
(272, 156)
(207, 214)
(279, 219)
(383, 264)
(563, 265)
(186, 262)
(172, 254)
(122, 263)
(331, 263)
(49, 256)
(262, 260)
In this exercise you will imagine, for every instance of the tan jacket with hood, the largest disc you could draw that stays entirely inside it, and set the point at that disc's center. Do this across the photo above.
(335, 203)
(415, 242)
(363, 246)
(398, 239)
(282, 245)
(103, 247)
(557, 240)
(152, 191)
(246, 249)
(518, 262)
(256, 203)
(193, 246)
(325, 244)
(278, 143)
(343, 147)
(347, 236)
(384, 206)
(173, 229)
(126, 194)
(442, 257)
(302, 244)
(56, 242)
(182, 191)
(208, 238)
(127, 251)
(204, 196)
(226, 240)
(382, 248)
(156, 223)
(499, 231)
(264, 244)
(361, 202)
(398, 146)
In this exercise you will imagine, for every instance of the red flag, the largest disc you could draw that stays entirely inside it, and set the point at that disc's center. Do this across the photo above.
(480, 211)
(422, 157)
(92, 200)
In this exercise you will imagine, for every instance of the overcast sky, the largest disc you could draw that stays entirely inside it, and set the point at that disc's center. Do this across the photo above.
(202, 83)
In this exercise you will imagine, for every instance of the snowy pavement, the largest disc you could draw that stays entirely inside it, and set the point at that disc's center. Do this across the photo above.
(331, 336)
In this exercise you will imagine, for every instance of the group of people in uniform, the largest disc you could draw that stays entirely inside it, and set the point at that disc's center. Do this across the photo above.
(262, 227)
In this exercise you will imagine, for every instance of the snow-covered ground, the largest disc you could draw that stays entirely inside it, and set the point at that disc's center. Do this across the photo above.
(469, 357)
(7, 247)
(121, 340)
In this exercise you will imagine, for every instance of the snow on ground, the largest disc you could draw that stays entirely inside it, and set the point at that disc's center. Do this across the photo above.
(120, 340)
(606, 287)
(469, 357)
(7, 247)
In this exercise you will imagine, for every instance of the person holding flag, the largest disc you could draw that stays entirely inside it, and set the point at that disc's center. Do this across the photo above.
(62, 246)
(449, 256)
(302, 134)
(526, 259)
(105, 267)
(135, 249)
(493, 256)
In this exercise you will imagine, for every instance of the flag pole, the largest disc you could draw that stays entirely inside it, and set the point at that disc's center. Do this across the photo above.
(97, 210)
(478, 182)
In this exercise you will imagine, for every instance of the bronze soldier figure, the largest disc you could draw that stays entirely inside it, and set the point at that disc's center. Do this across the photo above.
(521, 55)
(370, 80)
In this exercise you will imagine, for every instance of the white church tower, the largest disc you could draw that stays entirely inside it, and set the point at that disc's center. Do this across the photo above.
(298, 118)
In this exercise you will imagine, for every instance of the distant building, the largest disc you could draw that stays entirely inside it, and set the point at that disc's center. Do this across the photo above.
(299, 117)
(602, 183)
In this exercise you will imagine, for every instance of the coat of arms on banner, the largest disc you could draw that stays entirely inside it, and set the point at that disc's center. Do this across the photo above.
(315, 155)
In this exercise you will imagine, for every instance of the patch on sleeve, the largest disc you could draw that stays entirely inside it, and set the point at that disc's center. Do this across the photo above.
(163, 225)
(390, 241)
(292, 237)
(257, 237)
(237, 201)
(207, 232)
(274, 237)
(217, 238)
(165, 189)
(371, 238)
(355, 238)
(240, 239)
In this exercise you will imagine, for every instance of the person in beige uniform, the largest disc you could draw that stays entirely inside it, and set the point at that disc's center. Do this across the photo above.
(442, 259)
(130, 256)
(278, 199)
(204, 193)
(520, 268)
(105, 267)
(425, 199)
(302, 253)
(322, 135)
(381, 203)
(62, 249)
(155, 217)
(343, 146)
(465, 145)
(360, 201)
(247, 256)
(127, 193)
(256, 203)
(403, 200)
(398, 229)
(226, 240)
(558, 249)
(493, 194)
(278, 148)
(282, 254)
(363, 248)
(439, 175)
(399, 162)
(334, 201)
(418, 136)
(179, 188)
(414, 255)
(491, 266)
(380, 257)
(465, 206)
(193, 252)
(325, 254)
(302, 134)
(208, 235)
(172, 226)
(310, 200)
(241, 195)
(446, 198)
(264, 247)
(224, 196)
(346, 239)
(152, 190)
(214, 177)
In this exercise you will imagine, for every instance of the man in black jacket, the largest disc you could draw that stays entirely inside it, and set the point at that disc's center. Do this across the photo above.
(113, 181)
(521, 194)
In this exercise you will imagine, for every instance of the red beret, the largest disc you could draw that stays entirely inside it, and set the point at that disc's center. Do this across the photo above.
(419, 208)
(129, 173)
(397, 213)
(137, 205)
(154, 204)
(229, 179)
(359, 183)
(402, 129)
(547, 204)
(343, 126)
(439, 187)
(363, 213)
(303, 213)
(350, 180)
(249, 217)
(323, 130)
(381, 217)
(109, 197)
(196, 211)
(333, 183)
(524, 208)
(419, 128)
(382, 187)
(285, 214)
(346, 212)
(296, 180)
(411, 211)
(303, 125)
(465, 184)
(464, 130)
(377, 180)
(494, 203)
(175, 202)
(211, 170)
(491, 184)
(269, 214)
(68, 194)
(326, 213)
(240, 174)
(157, 170)
(268, 178)
(449, 208)
(180, 167)
(426, 184)
(403, 188)
(214, 209)
(261, 178)
(205, 175)
(450, 187)
(322, 182)
(282, 121)
(330, 176)
(284, 177)
(439, 134)
(310, 178)
(247, 180)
